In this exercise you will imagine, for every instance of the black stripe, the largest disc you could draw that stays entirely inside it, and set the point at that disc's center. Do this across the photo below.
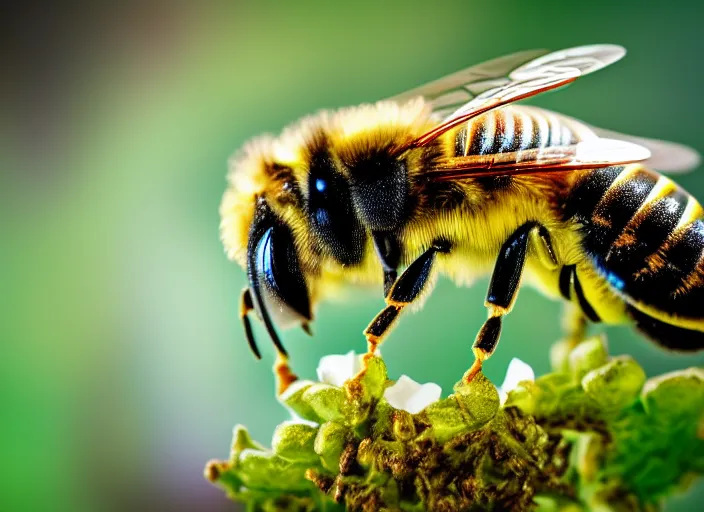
(499, 133)
(478, 137)
(461, 141)
(618, 206)
(663, 289)
(565, 281)
(516, 131)
(654, 225)
(669, 336)
(537, 140)
(588, 191)
(493, 183)
(527, 125)
(583, 302)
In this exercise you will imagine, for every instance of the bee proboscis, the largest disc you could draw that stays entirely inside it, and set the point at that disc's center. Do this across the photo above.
(454, 178)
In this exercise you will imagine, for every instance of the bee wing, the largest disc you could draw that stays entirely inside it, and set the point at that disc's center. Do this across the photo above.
(452, 91)
(506, 80)
(665, 156)
(589, 154)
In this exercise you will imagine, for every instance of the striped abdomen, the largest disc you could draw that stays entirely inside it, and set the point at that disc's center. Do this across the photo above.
(645, 236)
(517, 128)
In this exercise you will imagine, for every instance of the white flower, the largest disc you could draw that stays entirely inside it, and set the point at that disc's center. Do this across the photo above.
(406, 394)
(337, 369)
(517, 372)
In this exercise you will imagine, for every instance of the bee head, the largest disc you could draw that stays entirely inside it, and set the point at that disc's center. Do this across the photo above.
(276, 282)
(257, 232)
(303, 211)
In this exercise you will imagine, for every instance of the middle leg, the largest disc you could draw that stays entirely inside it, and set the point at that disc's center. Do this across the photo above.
(407, 288)
(503, 287)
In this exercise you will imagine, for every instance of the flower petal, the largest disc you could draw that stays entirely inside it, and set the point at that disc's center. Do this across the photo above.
(408, 395)
(336, 369)
(517, 372)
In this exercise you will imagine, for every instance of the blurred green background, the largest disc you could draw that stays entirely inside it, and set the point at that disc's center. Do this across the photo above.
(123, 366)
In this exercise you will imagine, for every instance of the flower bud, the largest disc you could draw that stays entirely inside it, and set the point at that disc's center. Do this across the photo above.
(294, 442)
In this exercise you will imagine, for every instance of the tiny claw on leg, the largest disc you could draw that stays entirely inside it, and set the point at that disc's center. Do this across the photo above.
(473, 371)
(372, 346)
(479, 357)
(284, 376)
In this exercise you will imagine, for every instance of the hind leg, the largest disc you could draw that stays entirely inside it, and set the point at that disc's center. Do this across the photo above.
(282, 371)
(574, 325)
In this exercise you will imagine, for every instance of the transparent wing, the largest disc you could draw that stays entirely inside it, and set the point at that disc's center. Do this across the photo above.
(516, 77)
(590, 154)
(452, 91)
(665, 156)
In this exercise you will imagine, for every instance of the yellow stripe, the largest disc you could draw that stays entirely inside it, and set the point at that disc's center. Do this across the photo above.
(543, 129)
(692, 212)
(694, 324)
(662, 187)
(509, 131)
(525, 127)
(489, 132)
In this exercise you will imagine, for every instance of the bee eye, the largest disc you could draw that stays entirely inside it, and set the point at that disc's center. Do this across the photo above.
(331, 212)
(277, 278)
(321, 184)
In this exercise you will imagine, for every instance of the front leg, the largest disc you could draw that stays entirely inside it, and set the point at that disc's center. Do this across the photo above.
(388, 250)
(403, 292)
(503, 288)
(282, 371)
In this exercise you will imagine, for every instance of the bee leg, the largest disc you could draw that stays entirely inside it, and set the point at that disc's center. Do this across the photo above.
(283, 374)
(501, 295)
(388, 250)
(282, 371)
(246, 306)
(574, 325)
(407, 288)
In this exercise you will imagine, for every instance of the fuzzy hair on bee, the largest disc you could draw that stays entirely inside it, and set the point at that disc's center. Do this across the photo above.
(455, 179)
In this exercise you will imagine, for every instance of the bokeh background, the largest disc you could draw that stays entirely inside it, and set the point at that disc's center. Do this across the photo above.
(122, 363)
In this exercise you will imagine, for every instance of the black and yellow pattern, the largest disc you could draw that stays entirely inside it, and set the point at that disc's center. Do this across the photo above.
(645, 236)
(391, 195)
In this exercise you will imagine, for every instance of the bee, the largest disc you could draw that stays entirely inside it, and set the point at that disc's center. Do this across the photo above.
(454, 178)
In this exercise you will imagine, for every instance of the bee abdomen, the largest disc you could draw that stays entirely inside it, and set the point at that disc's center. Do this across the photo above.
(646, 237)
(515, 128)
(672, 277)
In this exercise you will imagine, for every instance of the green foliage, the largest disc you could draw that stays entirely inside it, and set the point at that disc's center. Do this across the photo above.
(593, 435)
